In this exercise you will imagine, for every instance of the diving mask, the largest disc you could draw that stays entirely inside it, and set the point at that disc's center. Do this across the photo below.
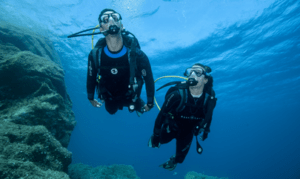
(115, 16)
(198, 71)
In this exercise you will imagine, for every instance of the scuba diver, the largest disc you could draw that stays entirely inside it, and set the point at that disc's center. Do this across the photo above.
(118, 68)
(187, 111)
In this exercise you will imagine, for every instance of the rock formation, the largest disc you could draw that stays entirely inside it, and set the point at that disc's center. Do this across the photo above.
(81, 171)
(195, 175)
(36, 118)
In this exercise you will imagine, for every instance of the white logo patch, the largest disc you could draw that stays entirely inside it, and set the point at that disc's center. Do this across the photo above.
(144, 72)
(114, 71)
(90, 69)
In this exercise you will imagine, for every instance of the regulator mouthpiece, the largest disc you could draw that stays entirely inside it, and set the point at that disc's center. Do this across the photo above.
(192, 82)
(113, 29)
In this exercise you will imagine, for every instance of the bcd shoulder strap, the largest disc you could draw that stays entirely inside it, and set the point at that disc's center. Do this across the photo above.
(209, 111)
(96, 53)
(132, 61)
(184, 99)
(183, 94)
(97, 61)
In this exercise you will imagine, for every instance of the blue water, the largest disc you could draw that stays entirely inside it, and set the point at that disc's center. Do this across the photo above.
(253, 48)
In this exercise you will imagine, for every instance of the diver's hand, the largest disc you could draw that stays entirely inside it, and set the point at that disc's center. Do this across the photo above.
(154, 141)
(96, 103)
(147, 107)
(204, 136)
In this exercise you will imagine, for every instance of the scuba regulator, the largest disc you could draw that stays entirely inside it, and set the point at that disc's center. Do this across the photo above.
(113, 29)
(189, 82)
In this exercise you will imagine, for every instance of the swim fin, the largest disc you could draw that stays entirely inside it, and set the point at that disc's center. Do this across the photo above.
(170, 164)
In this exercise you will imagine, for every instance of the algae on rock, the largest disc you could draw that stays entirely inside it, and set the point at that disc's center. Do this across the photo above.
(36, 117)
(82, 171)
(195, 175)
(31, 151)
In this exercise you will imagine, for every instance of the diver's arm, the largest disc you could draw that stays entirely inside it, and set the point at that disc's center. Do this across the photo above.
(171, 103)
(144, 67)
(91, 78)
(208, 118)
(172, 100)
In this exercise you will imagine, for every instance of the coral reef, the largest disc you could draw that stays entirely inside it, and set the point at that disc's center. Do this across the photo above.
(81, 171)
(36, 117)
(195, 175)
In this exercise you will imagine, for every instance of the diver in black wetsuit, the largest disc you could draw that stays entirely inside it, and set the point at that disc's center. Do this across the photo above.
(187, 111)
(121, 67)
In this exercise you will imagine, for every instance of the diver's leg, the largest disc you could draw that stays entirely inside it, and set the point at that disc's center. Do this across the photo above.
(183, 144)
(166, 134)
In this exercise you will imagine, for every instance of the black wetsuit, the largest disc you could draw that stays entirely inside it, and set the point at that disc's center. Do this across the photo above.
(115, 75)
(183, 126)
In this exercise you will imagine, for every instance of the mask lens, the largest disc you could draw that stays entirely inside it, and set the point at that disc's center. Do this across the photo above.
(198, 71)
(115, 16)
(105, 17)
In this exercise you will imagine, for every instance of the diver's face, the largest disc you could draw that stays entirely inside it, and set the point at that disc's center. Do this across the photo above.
(202, 80)
(112, 20)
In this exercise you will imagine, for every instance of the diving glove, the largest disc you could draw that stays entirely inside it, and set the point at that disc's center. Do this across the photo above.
(170, 164)
(154, 141)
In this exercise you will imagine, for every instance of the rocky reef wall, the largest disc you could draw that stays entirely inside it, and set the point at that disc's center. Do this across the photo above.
(195, 175)
(82, 171)
(36, 117)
